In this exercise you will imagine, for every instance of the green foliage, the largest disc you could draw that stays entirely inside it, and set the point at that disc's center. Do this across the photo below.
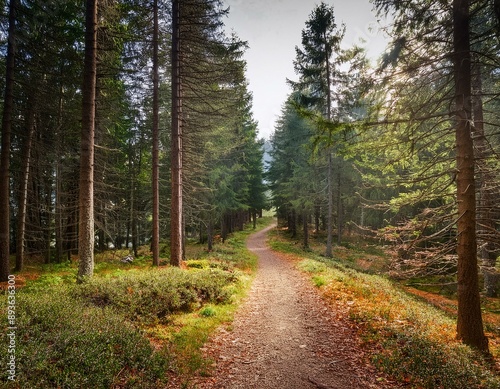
(152, 296)
(208, 311)
(62, 342)
(433, 365)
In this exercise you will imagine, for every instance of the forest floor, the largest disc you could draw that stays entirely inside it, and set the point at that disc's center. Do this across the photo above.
(285, 336)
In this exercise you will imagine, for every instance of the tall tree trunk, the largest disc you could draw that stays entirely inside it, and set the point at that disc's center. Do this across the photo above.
(329, 216)
(329, 233)
(5, 153)
(469, 320)
(176, 233)
(155, 239)
(317, 213)
(340, 216)
(59, 212)
(58, 178)
(48, 219)
(23, 189)
(86, 199)
(210, 234)
(294, 219)
(133, 213)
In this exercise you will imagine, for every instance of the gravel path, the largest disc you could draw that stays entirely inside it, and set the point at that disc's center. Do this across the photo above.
(286, 337)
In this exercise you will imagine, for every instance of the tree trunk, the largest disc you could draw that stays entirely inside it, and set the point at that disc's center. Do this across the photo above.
(305, 218)
(23, 190)
(340, 216)
(176, 233)
(293, 227)
(469, 320)
(210, 235)
(329, 227)
(48, 220)
(5, 152)
(133, 213)
(58, 177)
(86, 199)
(59, 213)
(317, 213)
(328, 251)
(155, 239)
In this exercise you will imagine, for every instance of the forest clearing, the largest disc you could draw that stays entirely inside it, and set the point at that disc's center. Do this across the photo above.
(133, 175)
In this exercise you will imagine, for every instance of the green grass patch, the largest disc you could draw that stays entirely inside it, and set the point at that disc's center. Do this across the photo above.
(412, 341)
(61, 342)
(153, 295)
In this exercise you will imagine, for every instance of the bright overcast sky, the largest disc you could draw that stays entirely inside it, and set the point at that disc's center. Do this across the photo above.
(273, 28)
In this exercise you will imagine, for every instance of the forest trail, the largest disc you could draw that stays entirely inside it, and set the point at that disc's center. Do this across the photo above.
(285, 336)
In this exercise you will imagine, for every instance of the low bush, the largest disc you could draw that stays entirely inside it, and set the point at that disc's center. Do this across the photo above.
(432, 365)
(150, 296)
(61, 343)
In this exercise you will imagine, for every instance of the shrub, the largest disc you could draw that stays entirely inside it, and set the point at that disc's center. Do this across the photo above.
(434, 365)
(152, 296)
(61, 343)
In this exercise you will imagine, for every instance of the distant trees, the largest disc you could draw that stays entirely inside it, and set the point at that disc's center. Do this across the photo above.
(132, 137)
(296, 177)
(219, 145)
(320, 40)
(324, 102)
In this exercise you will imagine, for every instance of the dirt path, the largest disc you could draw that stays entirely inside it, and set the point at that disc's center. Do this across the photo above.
(285, 336)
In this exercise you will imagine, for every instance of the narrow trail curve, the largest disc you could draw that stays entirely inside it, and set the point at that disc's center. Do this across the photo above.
(285, 336)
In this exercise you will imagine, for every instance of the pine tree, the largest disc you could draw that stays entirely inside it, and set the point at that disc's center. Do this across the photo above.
(155, 239)
(6, 146)
(423, 157)
(320, 40)
(86, 200)
(176, 222)
(469, 319)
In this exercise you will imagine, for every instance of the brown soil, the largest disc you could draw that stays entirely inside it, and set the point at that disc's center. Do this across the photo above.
(285, 336)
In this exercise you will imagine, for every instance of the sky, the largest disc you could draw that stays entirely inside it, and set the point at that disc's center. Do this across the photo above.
(273, 28)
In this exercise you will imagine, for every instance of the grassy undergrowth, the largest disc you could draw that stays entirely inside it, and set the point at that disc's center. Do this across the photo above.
(127, 326)
(410, 340)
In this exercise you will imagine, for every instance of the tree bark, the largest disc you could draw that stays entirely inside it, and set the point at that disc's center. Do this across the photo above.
(210, 235)
(329, 226)
(340, 215)
(23, 189)
(305, 228)
(176, 233)
(58, 177)
(6, 140)
(86, 199)
(328, 251)
(155, 239)
(469, 320)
